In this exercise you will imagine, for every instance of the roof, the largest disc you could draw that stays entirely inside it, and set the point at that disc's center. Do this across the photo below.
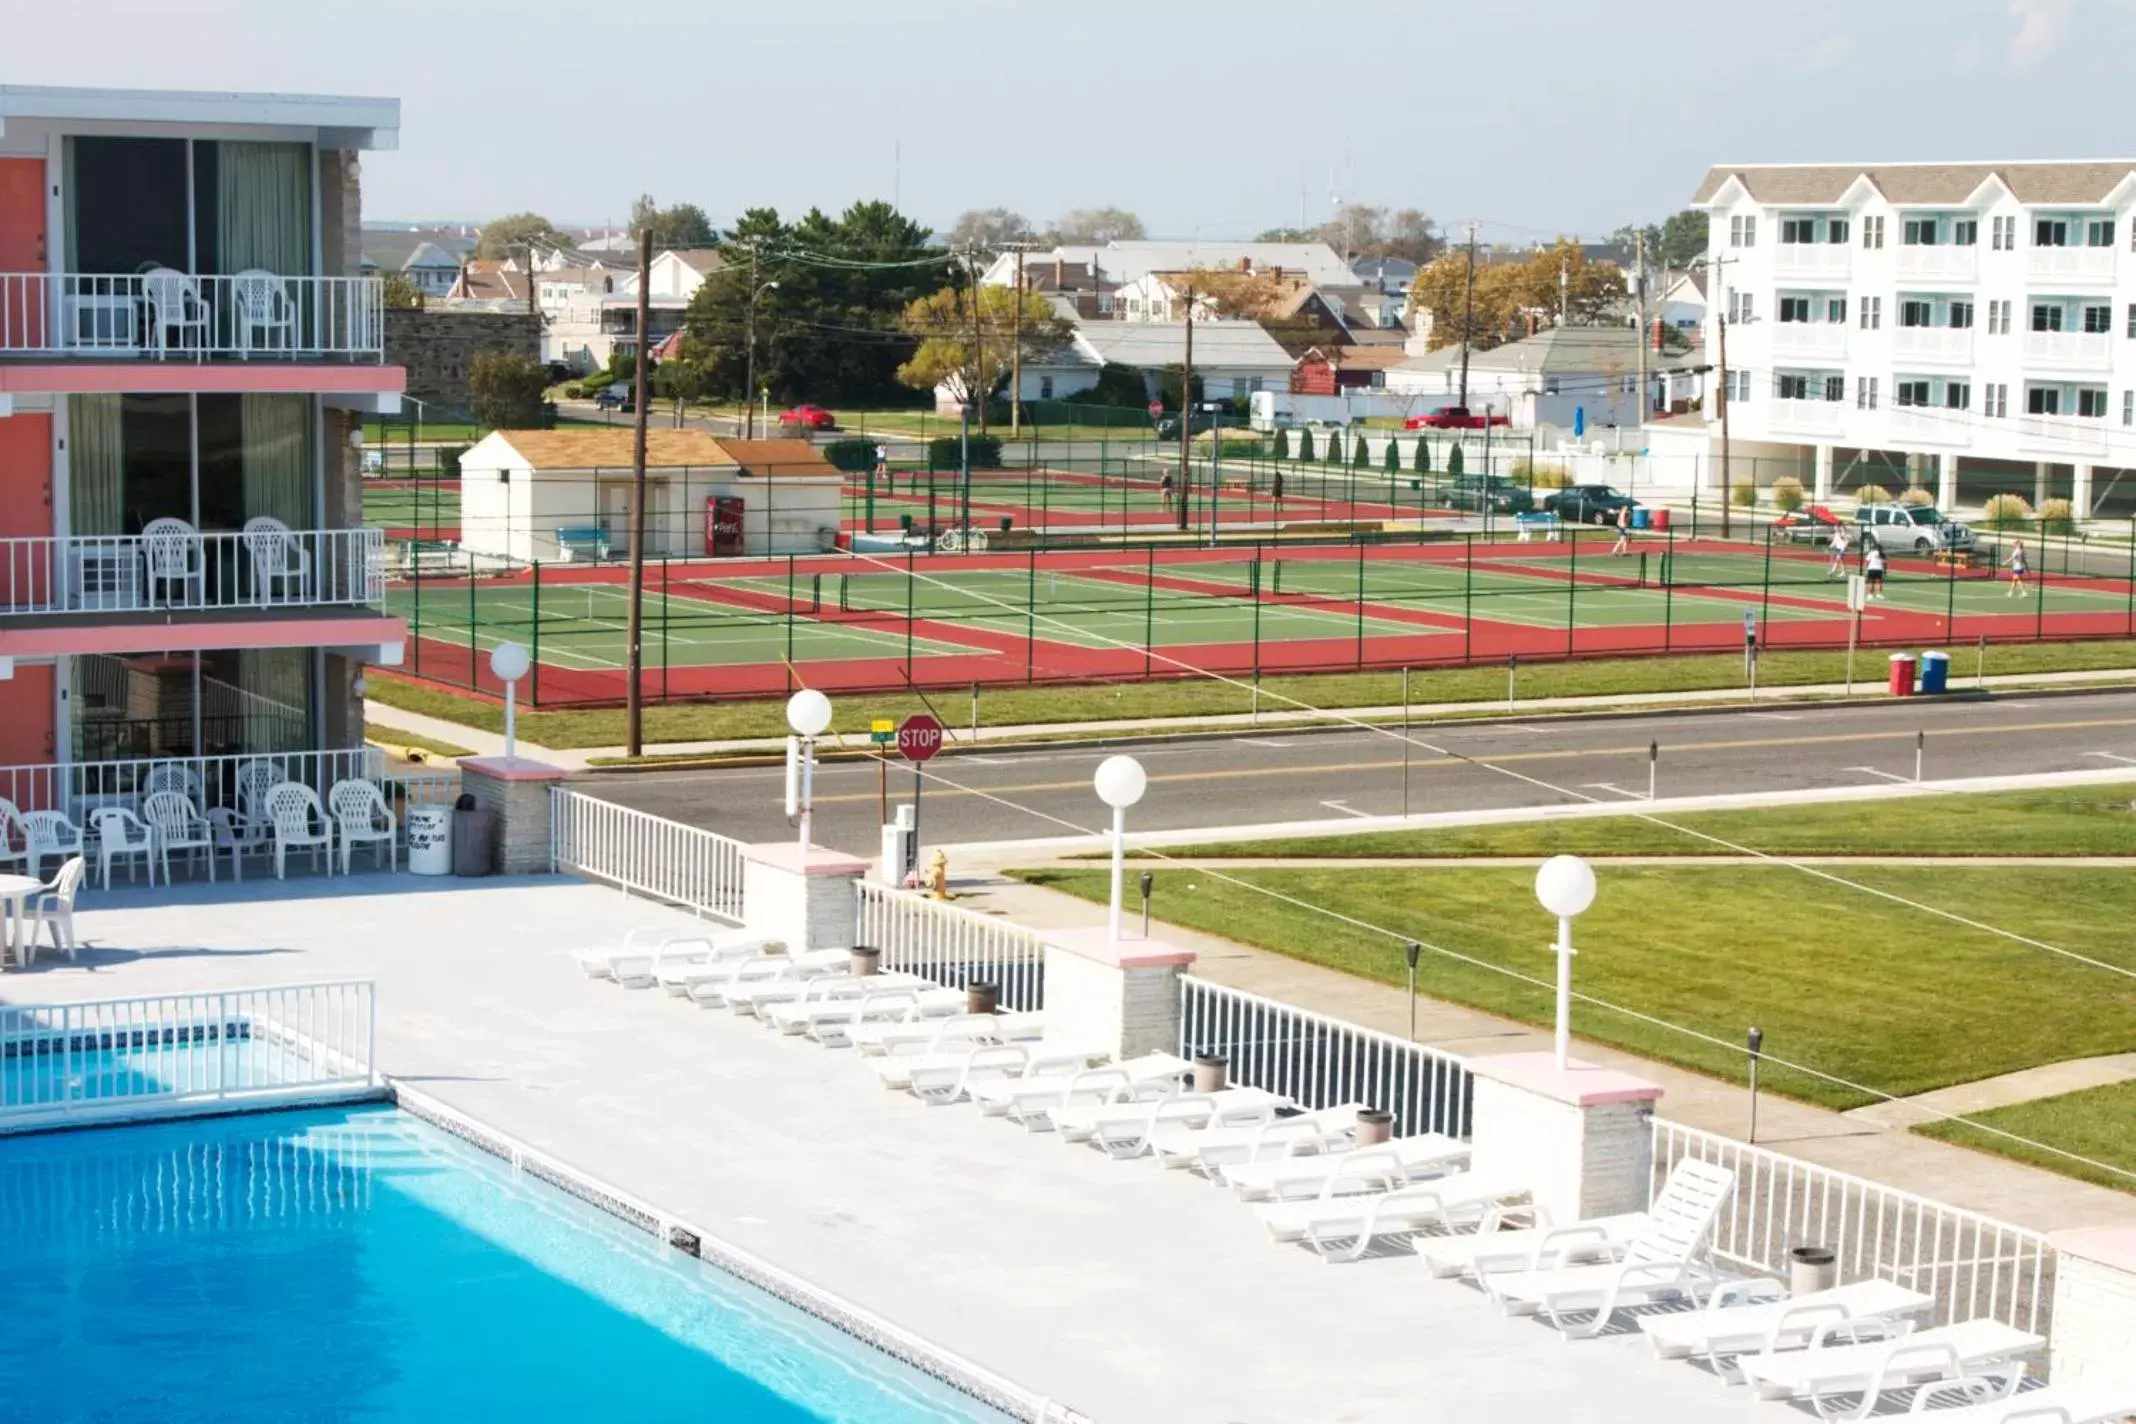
(1229, 344)
(399, 251)
(1557, 350)
(1359, 358)
(1394, 271)
(2080, 181)
(698, 259)
(487, 279)
(779, 457)
(613, 448)
(342, 122)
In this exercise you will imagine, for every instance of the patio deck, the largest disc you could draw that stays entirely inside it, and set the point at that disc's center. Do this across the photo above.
(1127, 1292)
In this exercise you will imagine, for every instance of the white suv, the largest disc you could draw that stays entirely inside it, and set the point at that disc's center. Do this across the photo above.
(1911, 528)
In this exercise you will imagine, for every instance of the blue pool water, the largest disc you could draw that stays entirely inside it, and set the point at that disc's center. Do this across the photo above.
(147, 1069)
(357, 1264)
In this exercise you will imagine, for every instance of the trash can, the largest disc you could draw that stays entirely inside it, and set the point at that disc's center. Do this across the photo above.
(1642, 518)
(472, 831)
(1811, 1269)
(429, 840)
(1902, 674)
(1935, 672)
(1661, 520)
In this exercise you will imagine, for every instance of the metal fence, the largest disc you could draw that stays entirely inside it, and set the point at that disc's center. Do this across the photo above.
(646, 854)
(953, 946)
(100, 1059)
(1973, 1265)
(1322, 1062)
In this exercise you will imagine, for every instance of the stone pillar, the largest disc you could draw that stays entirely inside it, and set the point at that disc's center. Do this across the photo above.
(2041, 474)
(1123, 996)
(808, 901)
(1821, 480)
(340, 708)
(1947, 481)
(516, 791)
(1579, 1135)
(2094, 1302)
(1916, 462)
(2080, 481)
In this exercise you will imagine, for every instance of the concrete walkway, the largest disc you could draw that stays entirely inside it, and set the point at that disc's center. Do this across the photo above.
(2049, 1080)
(1487, 862)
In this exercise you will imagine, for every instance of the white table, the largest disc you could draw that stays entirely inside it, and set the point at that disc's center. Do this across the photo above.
(15, 893)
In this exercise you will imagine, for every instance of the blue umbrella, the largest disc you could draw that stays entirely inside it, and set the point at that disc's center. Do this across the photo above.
(1579, 421)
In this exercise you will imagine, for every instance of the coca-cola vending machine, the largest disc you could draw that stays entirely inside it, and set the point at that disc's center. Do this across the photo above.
(723, 525)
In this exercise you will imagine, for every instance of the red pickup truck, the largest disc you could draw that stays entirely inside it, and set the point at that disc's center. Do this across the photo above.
(1454, 417)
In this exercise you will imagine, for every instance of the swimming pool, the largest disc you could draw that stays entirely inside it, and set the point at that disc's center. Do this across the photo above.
(42, 1071)
(356, 1263)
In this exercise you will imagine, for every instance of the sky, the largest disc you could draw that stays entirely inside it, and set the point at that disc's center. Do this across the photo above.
(1532, 117)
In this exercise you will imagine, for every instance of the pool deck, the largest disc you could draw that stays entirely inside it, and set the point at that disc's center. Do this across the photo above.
(1127, 1292)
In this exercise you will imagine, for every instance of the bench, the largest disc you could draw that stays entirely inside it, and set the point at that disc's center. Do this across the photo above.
(1529, 525)
(589, 542)
(1954, 558)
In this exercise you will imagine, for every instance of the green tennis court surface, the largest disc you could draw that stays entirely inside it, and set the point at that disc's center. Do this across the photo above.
(407, 504)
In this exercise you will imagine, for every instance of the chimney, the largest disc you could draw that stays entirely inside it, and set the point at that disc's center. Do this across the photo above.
(1058, 269)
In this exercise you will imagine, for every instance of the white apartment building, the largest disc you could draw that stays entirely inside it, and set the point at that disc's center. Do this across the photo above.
(1974, 323)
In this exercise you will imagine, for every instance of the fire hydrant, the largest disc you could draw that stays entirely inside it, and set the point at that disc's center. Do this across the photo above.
(938, 877)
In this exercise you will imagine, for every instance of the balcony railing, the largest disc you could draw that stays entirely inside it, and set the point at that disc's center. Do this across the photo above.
(1939, 263)
(2092, 264)
(2070, 350)
(167, 315)
(1812, 259)
(1932, 425)
(1809, 417)
(2063, 434)
(1933, 343)
(190, 571)
(1817, 340)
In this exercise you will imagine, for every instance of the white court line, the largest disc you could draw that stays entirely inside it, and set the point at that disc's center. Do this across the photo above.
(1607, 786)
(1888, 776)
(1347, 810)
(2113, 756)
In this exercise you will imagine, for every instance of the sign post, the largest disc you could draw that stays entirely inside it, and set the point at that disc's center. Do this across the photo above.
(1750, 648)
(918, 738)
(1857, 596)
(882, 733)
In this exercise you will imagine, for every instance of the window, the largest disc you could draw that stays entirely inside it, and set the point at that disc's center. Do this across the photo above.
(1793, 230)
(1794, 309)
(1739, 306)
(1739, 385)
(1920, 232)
(2041, 400)
(2128, 407)
(1909, 393)
(1965, 232)
(1872, 313)
(1957, 395)
(1873, 232)
(2091, 402)
(2046, 318)
(2132, 318)
(2003, 232)
(1836, 310)
(1961, 316)
(1916, 313)
(1743, 231)
(1995, 401)
(1999, 318)
(1045, 388)
(1835, 388)
(1791, 387)
(2098, 320)
(2050, 232)
(1836, 231)
(2099, 232)
(1865, 392)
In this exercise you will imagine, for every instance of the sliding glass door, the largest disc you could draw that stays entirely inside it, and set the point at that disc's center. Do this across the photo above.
(214, 461)
(202, 206)
(236, 702)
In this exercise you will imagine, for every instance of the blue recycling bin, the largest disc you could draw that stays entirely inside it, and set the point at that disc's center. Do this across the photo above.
(1640, 518)
(1935, 672)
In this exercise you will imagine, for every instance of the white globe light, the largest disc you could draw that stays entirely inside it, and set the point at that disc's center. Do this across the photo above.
(1566, 885)
(808, 712)
(1121, 781)
(510, 661)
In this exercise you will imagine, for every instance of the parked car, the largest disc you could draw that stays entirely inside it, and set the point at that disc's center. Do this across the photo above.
(1168, 426)
(1588, 504)
(807, 417)
(1813, 524)
(617, 397)
(1494, 493)
(1454, 417)
(1913, 528)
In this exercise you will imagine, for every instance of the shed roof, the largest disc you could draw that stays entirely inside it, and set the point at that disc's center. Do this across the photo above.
(1821, 184)
(664, 450)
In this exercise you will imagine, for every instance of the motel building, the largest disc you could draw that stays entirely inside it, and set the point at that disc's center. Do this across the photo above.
(187, 353)
(1964, 328)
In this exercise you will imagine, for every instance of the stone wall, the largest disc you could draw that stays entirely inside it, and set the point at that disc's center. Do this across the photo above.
(437, 347)
(340, 212)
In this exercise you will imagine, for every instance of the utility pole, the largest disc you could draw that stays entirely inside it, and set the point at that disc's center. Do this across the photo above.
(1016, 353)
(1468, 313)
(634, 702)
(1727, 466)
(1564, 291)
(749, 380)
(973, 391)
(1186, 418)
(1639, 296)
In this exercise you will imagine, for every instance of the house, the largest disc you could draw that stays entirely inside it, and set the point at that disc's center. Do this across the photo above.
(1679, 302)
(1125, 261)
(1965, 320)
(1392, 275)
(677, 273)
(148, 385)
(429, 260)
(590, 313)
(496, 283)
(560, 494)
(1553, 378)
(1079, 291)
(1331, 370)
(1233, 359)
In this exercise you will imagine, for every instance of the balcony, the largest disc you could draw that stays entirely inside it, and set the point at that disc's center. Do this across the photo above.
(1821, 260)
(1930, 425)
(1939, 263)
(2069, 350)
(1946, 344)
(2083, 264)
(1809, 417)
(163, 315)
(2062, 434)
(184, 571)
(1810, 340)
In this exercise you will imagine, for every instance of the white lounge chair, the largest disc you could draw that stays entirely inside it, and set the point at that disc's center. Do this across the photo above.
(1341, 1225)
(1209, 1149)
(1529, 1247)
(1759, 1316)
(1992, 1401)
(1836, 1369)
(1123, 1130)
(1032, 1102)
(1665, 1260)
(953, 1031)
(803, 979)
(639, 942)
(834, 1025)
(641, 969)
(1383, 1167)
(710, 984)
(946, 1077)
(850, 999)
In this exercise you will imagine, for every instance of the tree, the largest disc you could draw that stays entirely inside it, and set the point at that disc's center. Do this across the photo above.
(1412, 236)
(1360, 230)
(1453, 460)
(988, 230)
(945, 324)
(1423, 461)
(502, 237)
(1393, 462)
(683, 378)
(1683, 238)
(1096, 227)
(1282, 442)
(401, 293)
(505, 391)
(1587, 288)
(683, 225)
(1508, 292)
(1305, 443)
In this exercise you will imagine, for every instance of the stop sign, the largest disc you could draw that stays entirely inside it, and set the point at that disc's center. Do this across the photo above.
(919, 737)
(1156, 409)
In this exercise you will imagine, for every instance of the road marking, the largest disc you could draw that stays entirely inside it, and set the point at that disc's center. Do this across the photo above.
(1775, 716)
(2113, 756)
(1263, 742)
(1888, 776)
(1347, 810)
(1607, 786)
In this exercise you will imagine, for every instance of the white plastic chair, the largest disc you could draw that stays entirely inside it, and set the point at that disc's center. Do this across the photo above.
(237, 834)
(119, 832)
(172, 550)
(293, 810)
(255, 778)
(262, 308)
(172, 776)
(49, 833)
(14, 841)
(361, 813)
(174, 305)
(178, 826)
(54, 906)
(278, 558)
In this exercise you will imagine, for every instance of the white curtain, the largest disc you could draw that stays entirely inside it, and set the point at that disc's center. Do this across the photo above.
(278, 458)
(274, 699)
(263, 207)
(96, 462)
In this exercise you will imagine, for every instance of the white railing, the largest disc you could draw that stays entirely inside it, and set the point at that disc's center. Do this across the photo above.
(166, 315)
(192, 571)
(1322, 1062)
(2088, 263)
(2081, 350)
(1933, 424)
(1939, 263)
(78, 788)
(1812, 417)
(108, 1058)
(2068, 434)
(1812, 259)
(1972, 1265)
(953, 946)
(656, 857)
(1819, 340)
(1933, 343)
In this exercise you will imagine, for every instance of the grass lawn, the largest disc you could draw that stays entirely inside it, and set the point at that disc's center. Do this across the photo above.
(2073, 821)
(1014, 706)
(1850, 985)
(2099, 1123)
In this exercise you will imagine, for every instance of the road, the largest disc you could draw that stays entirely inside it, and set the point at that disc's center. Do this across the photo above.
(1256, 779)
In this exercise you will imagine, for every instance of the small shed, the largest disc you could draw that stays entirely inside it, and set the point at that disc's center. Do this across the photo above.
(565, 494)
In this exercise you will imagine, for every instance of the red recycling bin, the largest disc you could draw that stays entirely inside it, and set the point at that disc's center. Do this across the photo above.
(1902, 674)
(1660, 521)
